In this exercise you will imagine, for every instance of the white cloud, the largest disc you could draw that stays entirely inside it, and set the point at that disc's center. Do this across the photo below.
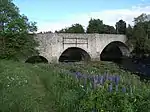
(109, 17)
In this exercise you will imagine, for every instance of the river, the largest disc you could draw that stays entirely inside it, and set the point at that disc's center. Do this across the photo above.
(138, 66)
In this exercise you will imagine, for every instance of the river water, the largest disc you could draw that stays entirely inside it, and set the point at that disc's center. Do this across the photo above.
(138, 66)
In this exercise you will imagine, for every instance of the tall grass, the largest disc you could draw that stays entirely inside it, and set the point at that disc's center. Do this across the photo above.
(54, 88)
(30, 88)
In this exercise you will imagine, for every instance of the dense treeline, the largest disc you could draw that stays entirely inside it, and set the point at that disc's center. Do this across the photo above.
(16, 32)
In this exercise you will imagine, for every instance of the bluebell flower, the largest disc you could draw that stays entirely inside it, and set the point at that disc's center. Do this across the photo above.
(102, 80)
(96, 79)
(110, 78)
(117, 79)
(110, 88)
(99, 78)
(114, 78)
(78, 75)
(94, 82)
(106, 76)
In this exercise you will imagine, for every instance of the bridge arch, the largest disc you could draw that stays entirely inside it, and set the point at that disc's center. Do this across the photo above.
(114, 50)
(36, 59)
(74, 54)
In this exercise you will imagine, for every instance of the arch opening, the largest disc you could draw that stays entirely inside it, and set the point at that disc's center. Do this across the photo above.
(74, 54)
(36, 59)
(114, 51)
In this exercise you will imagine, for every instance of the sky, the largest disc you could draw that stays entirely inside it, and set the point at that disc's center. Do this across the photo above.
(52, 15)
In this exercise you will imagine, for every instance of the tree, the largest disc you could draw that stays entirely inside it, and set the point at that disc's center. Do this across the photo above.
(129, 34)
(146, 26)
(140, 19)
(108, 29)
(75, 28)
(144, 21)
(95, 26)
(139, 39)
(121, 27)
(16, 32)
(129, 31)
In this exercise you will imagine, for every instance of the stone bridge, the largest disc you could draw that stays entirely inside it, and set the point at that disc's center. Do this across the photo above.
(55, 47)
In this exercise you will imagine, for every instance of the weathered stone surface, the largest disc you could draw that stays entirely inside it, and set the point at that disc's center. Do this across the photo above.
(52, 45)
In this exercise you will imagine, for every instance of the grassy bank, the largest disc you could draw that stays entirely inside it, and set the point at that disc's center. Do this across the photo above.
(51, 88)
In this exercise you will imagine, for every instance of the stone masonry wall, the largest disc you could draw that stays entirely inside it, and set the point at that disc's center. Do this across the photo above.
(52, 45)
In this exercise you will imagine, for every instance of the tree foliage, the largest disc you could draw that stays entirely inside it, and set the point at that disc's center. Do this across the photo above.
(139, 39)
(129, 31)
(140, 19)
(108, 29)
(140, 34)
(95, 26)
(75, 28)
(16, 32)
(121, 27)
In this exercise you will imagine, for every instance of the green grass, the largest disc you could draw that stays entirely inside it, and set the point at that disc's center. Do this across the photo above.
(49, 88)
(30, 88)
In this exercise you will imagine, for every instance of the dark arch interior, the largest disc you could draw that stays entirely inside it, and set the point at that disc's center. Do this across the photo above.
(36, 59)
(114, 51)
(74, 54)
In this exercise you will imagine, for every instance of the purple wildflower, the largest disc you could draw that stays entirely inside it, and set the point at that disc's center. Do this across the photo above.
(102, 80)
(110, 88)
(117, 78)
(110, 78)
(96, 79)
(78, 75)
(106, 76)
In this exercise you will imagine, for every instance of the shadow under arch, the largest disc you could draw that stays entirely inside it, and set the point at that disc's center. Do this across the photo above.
(74, 54)
(36, 59)
(114, 51)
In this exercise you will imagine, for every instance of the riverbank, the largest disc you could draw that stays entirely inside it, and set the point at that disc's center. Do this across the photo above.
(53, 88)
